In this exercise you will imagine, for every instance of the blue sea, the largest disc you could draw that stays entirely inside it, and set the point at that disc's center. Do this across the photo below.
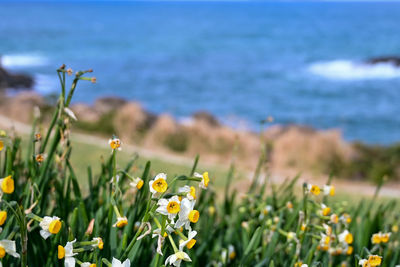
(300, 62)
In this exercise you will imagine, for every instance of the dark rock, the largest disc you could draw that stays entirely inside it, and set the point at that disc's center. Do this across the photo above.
(17, 81)
(108, 104)
(207, 117)
(388, 59)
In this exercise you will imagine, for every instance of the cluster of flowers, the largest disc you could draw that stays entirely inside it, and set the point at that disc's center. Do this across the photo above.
(177, 211)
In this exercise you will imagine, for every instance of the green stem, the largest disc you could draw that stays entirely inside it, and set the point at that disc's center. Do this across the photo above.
(172, 243)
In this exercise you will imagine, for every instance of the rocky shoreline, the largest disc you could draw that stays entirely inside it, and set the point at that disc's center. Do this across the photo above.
(14, 80)
(287, 147)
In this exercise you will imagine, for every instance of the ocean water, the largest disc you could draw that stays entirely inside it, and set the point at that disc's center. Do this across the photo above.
(301, 62)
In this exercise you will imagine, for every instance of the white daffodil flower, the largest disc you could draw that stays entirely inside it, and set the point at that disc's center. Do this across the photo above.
(189, 242)
(117, 263)
(49, 225)
(176, 258)
(205, 179)
(115, 143)
(345, 237)
(190, 190)
(187, 214)
(158, 185)
(169, 207)
(329, 190)
(8, 246)
(137, 183)
(67, 253)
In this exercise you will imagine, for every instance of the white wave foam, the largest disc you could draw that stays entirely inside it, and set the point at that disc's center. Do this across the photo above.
(349, 70)
(23, 60)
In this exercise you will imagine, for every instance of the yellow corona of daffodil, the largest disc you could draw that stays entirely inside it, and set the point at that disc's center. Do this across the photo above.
(1, 145)
(3, 217)
(7, 185)
(349, 250)
(205, 179)
(346, 237)
(325, 210)
(50, 225)
(158, 185)
(99, 242)
(138, 183)
(189, 190)
(121, 222)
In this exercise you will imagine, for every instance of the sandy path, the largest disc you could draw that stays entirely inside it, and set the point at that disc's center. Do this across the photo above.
(277, 176)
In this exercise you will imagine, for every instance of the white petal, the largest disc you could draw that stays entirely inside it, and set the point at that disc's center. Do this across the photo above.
(166, 261)
(185, 189)
(45, 234)
(70, 113)
(126, 263)
(160, 175)
(69, 262)
(163, 202)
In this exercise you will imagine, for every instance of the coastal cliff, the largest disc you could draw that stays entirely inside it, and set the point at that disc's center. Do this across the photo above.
(286, 147)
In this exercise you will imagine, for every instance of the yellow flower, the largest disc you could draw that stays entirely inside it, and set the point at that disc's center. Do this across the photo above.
(303, 227)
(289, 205)
(1, 145)
(395, 228)
(374, 260)
(7, 185)
(313, 189)
(3, 217)
(115, 143)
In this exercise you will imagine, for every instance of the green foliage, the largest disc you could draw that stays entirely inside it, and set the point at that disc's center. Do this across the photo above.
(271, 225)
(373, 163)
(104, 125)
(177, 141)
